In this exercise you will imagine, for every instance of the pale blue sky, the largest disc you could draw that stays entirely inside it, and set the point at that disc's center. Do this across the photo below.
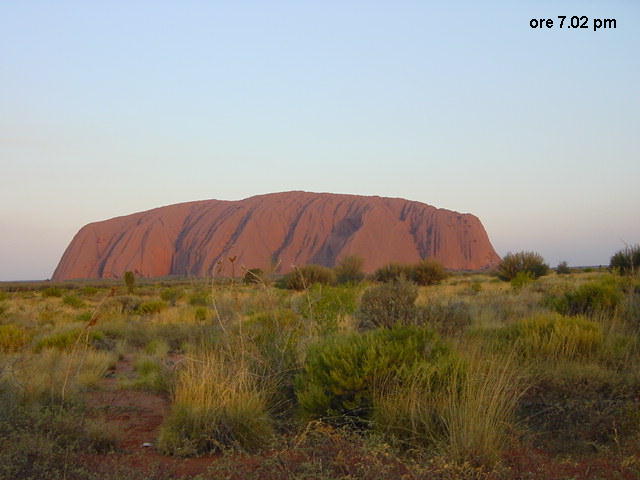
(107, 108)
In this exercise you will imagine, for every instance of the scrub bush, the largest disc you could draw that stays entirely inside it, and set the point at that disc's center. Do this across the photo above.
(52, 292)
(602, 296)
(626, 261)
(253, 276)
(12, 338)
(387, 305)
(448, 319)
(171, 295)
(392, 273)
(151, 307)
(551, 336)
(428, 272)
(72, 301)
(514, 263)
(341, 373)
(349, 270)
(302, 278)
(276, 337)
(129, 281)
(521, 280)
(326, 305)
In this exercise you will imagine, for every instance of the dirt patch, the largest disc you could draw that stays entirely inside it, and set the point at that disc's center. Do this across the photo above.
(135, 416)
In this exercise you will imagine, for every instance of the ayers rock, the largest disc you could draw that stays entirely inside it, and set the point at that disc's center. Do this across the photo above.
(290, 228)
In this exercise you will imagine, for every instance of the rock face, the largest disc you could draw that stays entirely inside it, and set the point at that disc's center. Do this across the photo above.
(290, 228)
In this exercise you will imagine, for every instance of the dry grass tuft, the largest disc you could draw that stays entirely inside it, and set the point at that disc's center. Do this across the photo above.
(217, 404)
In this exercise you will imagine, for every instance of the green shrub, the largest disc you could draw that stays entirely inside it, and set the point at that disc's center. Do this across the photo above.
(626, 261)
(153, 374)
(551, 336)
(529, 262)
(13, 338)
(157, 347)
(72, 301)
(388, 305)
(151, 307)
(563, 268)
(326, 305)
(84, 317)
(201, 314)
(349, 270)
(428, 272)
(61, 340)
(302, 278)
(129, 281)
(66, 339)
(341, 373)
(88, 291)
(521, 280)
(253, 276)
(392, 273)
(179, 334)
(602, 296)
(171, 295)
(475, 287)
(277, 338)
(200, 299)
(448, 319)
(52, 292)
(123, 303)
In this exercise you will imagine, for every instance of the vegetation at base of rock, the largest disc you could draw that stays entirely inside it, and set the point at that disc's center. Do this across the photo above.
(428, 272)
(470, 376)
(129, 281)
(301, 278)
(253, 275)
(531, 263)
(349, 270)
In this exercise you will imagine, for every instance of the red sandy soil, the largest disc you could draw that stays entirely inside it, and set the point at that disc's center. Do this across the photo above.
(290, 228)
(136, 417)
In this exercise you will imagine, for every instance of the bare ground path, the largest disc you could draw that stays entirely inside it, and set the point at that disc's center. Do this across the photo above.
(136, 417)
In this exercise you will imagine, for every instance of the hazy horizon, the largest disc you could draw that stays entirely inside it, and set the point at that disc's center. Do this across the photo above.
(114, 109)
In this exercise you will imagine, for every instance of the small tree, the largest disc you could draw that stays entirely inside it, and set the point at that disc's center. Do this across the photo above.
(428, 272)
(529, 262)
(563, 268)
(349, 270)
(627, 260)
(129, 281)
